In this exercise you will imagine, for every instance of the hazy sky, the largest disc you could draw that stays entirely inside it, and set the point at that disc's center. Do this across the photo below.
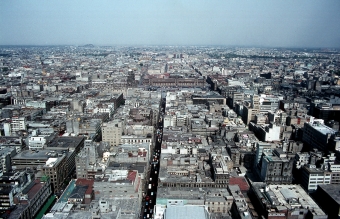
(275, 23)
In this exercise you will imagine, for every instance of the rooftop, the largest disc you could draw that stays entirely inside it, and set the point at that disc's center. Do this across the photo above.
(179, 212)
(322, 128)
(332, 190)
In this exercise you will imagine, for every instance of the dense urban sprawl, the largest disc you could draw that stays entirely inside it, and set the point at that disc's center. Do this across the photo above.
(167, 132)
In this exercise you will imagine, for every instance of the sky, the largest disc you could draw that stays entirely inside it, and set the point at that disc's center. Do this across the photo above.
(259, 23)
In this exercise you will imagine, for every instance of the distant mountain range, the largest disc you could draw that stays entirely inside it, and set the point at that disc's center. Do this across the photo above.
(87, 45)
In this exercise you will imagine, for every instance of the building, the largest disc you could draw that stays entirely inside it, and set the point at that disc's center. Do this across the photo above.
(178, 212)
(40, 138)
(275, 169)
(328, 197)
(82, 193)
(175, 82)
(18, 124)
(269, 104)
(112, 132)
(251, 109)
(215, 201)
(240, 207)
(267, 133)
(284, 201)
(30, 201)
(10, 185)
(237, 97)
(262, 147)
(319, 136)
(56, 169)
(311, 177)
(6, 155)
(86, 161)
(22, 196)
(325, 111)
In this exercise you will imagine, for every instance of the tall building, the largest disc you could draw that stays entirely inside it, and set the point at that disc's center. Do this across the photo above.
(56, 169)
(311, 177)
(18, 124)
(326, 111)
(112, 132)
(276, 170)
(317, 135)
(255, 102)
(86, 166)
(237, 97)
(262, 147)
(251, 109)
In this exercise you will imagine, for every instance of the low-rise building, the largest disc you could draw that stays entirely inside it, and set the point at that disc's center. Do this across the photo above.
(284, 201)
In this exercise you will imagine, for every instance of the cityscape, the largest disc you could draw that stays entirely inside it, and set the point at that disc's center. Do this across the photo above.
(160, 111)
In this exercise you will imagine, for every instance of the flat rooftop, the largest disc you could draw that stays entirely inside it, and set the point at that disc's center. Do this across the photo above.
(179, 212)
(34, 155)
(333, 190)
(296, 192)
(323, 128)
(65, 142)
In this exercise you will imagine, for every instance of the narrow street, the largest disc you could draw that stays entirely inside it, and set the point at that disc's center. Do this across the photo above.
(150, 198)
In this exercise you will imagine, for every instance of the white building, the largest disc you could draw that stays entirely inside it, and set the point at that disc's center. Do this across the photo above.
(311, 177)
(169, 120)
(18, 124)
(36, 142)
(7, 129)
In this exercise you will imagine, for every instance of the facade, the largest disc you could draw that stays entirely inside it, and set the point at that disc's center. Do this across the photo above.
(276, 170)
(266, 133)
(311, 177)
(112, 132)
(176, 82)
(56, 169)
(6, 155)
(269, 104)
(319, 136)
(18, 124)
(237, 97)
(86, 160)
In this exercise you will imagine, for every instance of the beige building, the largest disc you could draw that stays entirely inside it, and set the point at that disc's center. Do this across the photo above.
(56, 169)
(112, 132)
